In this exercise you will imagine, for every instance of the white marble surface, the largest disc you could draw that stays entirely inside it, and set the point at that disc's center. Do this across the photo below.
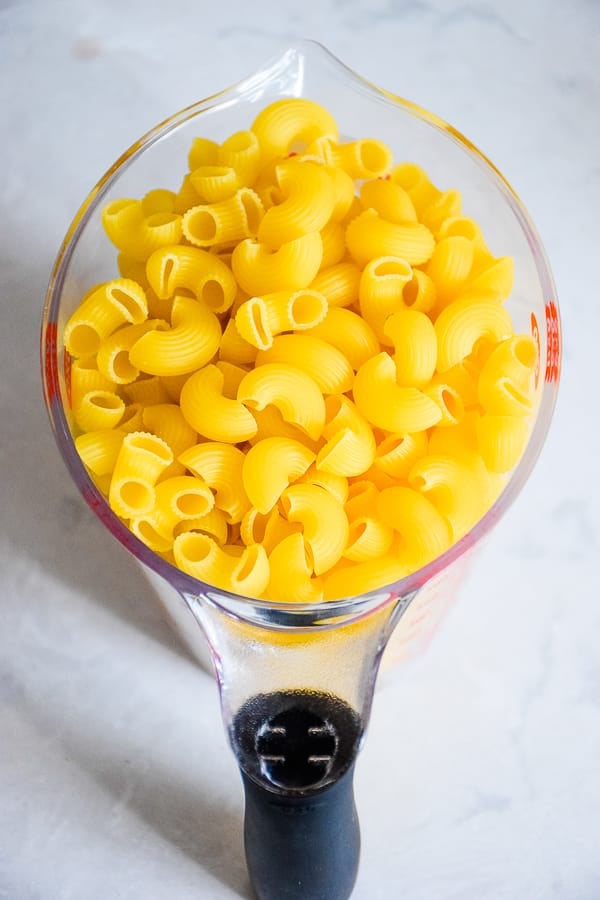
(480, 779)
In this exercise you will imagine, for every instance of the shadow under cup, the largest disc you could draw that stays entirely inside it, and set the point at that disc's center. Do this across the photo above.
(257, 646)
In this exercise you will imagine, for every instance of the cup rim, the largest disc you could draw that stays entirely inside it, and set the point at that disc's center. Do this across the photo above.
(186, 584)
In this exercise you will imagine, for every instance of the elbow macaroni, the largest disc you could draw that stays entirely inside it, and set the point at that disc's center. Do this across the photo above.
(304, 384)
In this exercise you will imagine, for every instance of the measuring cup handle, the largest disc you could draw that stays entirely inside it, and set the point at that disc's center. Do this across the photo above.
(302, 847)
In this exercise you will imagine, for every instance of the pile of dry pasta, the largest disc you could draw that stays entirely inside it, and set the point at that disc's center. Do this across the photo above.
(304, 385)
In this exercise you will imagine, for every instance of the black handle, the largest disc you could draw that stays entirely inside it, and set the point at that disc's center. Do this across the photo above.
(302, 848)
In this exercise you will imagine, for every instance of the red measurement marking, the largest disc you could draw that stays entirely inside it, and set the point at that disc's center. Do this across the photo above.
(535, 333)
(50, 342)
(67, 373)
(553, 353)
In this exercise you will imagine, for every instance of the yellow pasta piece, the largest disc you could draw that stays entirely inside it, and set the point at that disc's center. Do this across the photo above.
(270, 423)
(292, 267)
(99, 450)
(214, 183)
(333, 239)
(502, 440)
(397, 453)
(289, 122)
(227, 220)
(232, 376)
(380, 291)
(113, 354)
(202, 557)
(387, 405)
(147, 390)
(361, 500)
(415, 346)
(134, 270)
(388, 199)
(369, 236)
(189, 344)
(131, 420)
(425, 533)
(99, 410)
(204, 274)
(203, 152)
(158, 201)
(220, 466)
(120, 219)
(210, 413)
(337, 485)
(255, 526)
(448, 400)
(365, 158)
(462, 323)
(168, 422)
(291, 578)
(242, 152)
(138, 233)
(177, 499)
(494, 280)
(450, 266)
(420, 293)
(106, 308)
(368, 538)
(86, 377)
(350, 447)
(294, 393)
(343, 192)
(234, 348)
(349, 333)
(364, 577)
(187, 195)
(505, 381)
(259, 319)
(338, 284)
(214, 523)
(463, 226)
(141, 460)
(452, 489)
(460, 379)
(270, 466)
(416, 183)
(307, 204)
(311, 506)
(325, 364)
(448, 204)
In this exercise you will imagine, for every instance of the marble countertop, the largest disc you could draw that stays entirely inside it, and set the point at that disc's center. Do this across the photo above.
(480, 777)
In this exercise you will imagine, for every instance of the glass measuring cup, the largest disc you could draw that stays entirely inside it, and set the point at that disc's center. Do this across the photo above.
(296, 681)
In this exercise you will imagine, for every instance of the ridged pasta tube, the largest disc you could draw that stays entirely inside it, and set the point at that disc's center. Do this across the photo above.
(338, 283)
(141, 461)
(234, 348)
(380, 291)
(98, 410)
(214, 183)
(325, 364)
(462, 323)
(213, 523)
(449, 400)
(242, 152)
(270, 466)
(397, 453)
(131, 420)
(291, 578)
(368, 538)
(363, 577)
(343, 192)
(365, 158)
(333, 241)
(502, 440)
(311, 506)
(494, 280)
(136, 232)
(337, 485)
(177, 499)
(415, 181)
(362, 496)
(284, 123)
(388, 199)
(292, 267)
(146, 390)
(220, 466)
(424, 531)
(210, 413)
(99, 450)
(349, 333)
(415, 346)
(350, 447)
(267, 529)
(86, 377)
(387, 405)
(202, 557)
(224, 221)
(271, 424)
(113, 354)
(369, 236)
(259, 319)
(448, 204)
(198, 271)
(191, 342)
(168, 422)
(106, 308)
(450, 266)
(307, 204)
(294, 393)
(203, 152)
(504, 386)
(452, 489)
